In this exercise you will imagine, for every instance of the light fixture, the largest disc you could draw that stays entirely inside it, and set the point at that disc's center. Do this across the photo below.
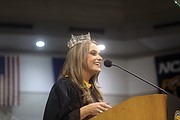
(101, 47)
(40, 44)
(177, 2)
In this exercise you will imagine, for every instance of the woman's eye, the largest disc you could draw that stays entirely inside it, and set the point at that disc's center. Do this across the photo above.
(94, 53)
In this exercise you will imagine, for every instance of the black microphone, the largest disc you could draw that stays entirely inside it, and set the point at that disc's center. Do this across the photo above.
(109, 63)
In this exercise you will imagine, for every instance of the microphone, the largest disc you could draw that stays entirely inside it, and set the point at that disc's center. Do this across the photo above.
(109, 63)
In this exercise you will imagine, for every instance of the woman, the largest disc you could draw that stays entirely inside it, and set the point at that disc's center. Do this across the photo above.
(76, 96)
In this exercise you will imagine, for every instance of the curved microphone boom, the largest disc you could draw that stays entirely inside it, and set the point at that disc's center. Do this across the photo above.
(109, 63)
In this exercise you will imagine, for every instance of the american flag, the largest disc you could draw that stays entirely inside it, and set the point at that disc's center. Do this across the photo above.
(9, 80)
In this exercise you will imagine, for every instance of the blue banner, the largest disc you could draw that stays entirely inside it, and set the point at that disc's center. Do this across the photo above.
(57, 66)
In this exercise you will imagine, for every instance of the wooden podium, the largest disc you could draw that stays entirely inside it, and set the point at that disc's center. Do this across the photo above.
(147, 107)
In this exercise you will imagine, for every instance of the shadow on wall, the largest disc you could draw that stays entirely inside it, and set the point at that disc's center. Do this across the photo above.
(31, 107)
(6, 113)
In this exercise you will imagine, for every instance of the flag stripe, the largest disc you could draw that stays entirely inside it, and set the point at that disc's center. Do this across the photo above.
(8, 79)
(18, 80)
(6, 82)
(1, 89)
(13, 81)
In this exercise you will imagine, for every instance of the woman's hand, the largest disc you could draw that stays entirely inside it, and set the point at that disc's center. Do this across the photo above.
(98, 107)
(94, 109)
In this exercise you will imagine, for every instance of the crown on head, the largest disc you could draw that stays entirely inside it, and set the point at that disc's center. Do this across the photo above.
(78, 39)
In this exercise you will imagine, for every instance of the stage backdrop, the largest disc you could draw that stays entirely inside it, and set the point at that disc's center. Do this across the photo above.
(168, 72)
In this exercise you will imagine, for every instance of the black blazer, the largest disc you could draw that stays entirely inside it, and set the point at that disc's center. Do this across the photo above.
(64, 101)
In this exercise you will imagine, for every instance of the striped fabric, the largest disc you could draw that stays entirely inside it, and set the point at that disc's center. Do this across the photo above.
(9, 80)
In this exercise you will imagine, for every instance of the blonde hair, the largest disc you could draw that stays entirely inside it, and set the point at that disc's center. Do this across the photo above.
(76, 60)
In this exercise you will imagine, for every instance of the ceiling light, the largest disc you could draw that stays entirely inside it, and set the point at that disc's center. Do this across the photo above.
(177, 2)
(40, 44)
(101, 47)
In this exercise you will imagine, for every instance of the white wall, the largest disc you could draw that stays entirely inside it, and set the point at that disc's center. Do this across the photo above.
(145, 68)
(113, 80)
(31, 106)
(36, 80)
(36, 73)
(114, 83)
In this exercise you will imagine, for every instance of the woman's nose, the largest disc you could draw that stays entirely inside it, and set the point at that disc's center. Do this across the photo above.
(99, 57)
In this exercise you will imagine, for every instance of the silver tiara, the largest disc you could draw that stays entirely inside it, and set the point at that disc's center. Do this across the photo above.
(78, 39)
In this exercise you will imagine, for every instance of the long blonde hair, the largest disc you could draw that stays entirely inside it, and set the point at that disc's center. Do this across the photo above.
(76, 60)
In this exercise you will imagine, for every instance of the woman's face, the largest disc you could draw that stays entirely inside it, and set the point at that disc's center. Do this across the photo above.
(94, 59)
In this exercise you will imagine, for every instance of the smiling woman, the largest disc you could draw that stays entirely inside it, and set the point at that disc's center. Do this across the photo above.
(76, 95)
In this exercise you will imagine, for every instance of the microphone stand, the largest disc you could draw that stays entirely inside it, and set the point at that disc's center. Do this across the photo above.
(140, 78)
(173, 102)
